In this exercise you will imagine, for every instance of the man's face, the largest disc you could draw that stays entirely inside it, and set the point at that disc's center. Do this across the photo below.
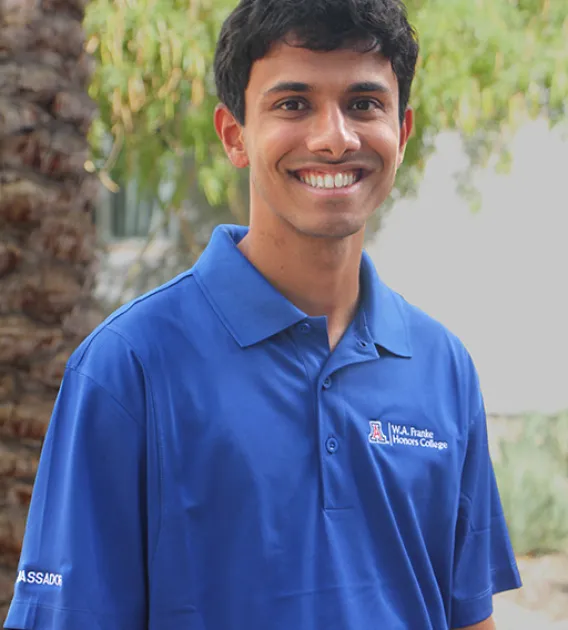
(322, 138)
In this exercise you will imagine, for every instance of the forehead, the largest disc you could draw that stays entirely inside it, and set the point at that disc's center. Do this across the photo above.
(320, 69)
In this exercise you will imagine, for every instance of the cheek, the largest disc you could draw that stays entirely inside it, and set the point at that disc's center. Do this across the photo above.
(385, 143)
(277, 141)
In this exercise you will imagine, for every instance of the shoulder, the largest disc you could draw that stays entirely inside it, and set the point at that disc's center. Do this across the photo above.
(171, 301)
(439, 351)
(118, 353)
(426, 333)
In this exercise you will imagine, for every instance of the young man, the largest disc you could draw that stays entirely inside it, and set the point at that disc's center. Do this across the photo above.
(275, 440)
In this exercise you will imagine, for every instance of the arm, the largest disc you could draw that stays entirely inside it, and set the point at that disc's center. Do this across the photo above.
(484, 562)
(83, 558)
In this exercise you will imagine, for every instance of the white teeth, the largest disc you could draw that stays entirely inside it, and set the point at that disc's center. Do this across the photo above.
(341, 180)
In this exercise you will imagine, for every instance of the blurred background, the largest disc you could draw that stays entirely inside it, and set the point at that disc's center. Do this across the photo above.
(111, 180)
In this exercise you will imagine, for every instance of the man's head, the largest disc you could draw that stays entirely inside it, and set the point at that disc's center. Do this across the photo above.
(314, 100)
(319, 25)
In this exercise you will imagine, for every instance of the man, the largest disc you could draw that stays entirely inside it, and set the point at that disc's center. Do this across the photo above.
(275, 440)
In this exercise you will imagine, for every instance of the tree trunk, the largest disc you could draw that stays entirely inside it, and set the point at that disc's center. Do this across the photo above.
(47, 243)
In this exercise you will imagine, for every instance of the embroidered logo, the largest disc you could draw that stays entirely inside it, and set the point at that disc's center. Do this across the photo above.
(376, 436)
(402, 435)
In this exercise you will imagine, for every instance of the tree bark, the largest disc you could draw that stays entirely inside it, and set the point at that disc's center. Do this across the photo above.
(47, 241)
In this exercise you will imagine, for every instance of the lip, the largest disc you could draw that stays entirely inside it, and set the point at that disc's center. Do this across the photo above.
(331, 170)
(331, 192)
(325, 167)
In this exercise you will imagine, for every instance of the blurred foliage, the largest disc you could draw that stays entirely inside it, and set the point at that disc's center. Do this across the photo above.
(532, 474)
(155, 91)
(485, 66)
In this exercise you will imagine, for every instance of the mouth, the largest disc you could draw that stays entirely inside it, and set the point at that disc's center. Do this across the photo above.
(345, 181)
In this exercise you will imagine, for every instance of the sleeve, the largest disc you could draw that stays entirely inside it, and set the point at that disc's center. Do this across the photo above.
(83, 561)
(484, 562)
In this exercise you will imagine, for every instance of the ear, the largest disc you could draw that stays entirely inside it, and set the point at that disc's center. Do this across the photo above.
(405, 131)
(230, 133)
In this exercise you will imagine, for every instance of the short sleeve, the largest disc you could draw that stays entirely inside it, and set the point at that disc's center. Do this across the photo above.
(484, 562)
(83, 562)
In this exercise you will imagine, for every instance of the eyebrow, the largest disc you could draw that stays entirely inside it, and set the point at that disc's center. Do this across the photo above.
(369, 86)
(355, 88)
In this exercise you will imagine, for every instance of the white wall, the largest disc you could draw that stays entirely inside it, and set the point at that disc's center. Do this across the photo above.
(499, 278)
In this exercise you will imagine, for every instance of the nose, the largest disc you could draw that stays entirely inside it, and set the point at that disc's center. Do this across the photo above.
(332, 134)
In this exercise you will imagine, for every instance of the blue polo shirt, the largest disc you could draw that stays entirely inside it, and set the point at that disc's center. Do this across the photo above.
(210, 465)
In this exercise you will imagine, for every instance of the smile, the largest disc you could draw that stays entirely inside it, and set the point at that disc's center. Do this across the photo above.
(329, 181)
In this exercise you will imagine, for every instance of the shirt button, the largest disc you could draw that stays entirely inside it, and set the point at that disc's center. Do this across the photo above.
(362, 344)
(305, 328)
(331, 445)
(327, 383)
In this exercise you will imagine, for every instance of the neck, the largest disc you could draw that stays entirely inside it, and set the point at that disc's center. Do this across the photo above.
(318, 275)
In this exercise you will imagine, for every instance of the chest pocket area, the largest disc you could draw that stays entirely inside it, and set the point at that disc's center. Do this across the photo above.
(415, 460)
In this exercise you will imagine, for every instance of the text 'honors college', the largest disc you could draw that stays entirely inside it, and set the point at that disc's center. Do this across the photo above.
(402, 435)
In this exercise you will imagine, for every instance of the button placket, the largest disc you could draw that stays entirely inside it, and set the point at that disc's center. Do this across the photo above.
(333, 456)
(355, 348)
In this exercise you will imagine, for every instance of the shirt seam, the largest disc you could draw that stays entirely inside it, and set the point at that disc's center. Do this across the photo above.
(151, 559)
(401, 314)
(106, 325)
(463, 495)
(478, 416)
(487, 592)
(106, 391)
(35, 604)
(316, 412)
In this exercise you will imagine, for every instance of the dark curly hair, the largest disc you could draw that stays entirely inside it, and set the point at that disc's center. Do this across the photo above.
(322, 25)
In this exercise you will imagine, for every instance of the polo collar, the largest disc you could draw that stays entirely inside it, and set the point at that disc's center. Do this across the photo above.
(383, 312)
(253, 310)
(249, 306)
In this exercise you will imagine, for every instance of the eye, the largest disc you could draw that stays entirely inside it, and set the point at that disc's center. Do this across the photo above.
(366, 105)
(292, 105)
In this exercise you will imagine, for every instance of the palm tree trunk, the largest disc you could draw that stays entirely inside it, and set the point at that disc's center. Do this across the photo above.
(47, 243)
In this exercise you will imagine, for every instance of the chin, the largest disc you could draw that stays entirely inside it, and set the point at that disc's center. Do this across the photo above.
(336, 229)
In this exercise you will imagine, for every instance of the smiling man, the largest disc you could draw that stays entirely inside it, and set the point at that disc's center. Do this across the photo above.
(276, 440)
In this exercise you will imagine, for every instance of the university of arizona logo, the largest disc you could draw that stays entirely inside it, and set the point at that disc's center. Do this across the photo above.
(404, 435)
(376, 436)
